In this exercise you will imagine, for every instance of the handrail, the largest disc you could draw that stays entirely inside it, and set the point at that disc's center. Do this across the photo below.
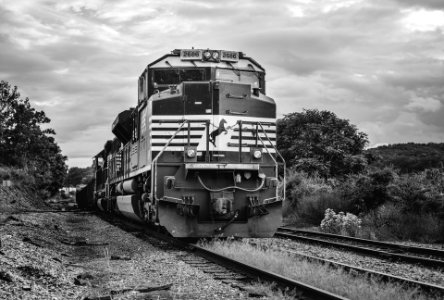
(154, 161)
(278, 153)
(271, 143)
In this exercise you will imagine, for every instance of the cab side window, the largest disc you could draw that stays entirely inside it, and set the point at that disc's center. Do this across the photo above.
(136, 133)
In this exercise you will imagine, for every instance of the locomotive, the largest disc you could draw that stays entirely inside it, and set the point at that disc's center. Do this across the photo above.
(197, 155)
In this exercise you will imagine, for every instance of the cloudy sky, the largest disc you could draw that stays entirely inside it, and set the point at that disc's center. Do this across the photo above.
(378, 63)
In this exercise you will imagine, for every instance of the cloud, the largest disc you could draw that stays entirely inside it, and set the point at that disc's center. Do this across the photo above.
(423, 20)
(379, 64)
(424, 104)
(431, 4)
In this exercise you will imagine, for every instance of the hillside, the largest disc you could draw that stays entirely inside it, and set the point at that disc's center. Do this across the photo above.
(409, 157)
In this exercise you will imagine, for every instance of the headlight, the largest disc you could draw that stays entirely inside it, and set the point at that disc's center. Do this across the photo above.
(215, 55)
(207, 54)
(191, 153)
(257, 154)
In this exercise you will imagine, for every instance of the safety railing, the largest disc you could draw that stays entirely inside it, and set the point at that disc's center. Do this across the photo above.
(154, 162)
(259, 128)
(275, 161)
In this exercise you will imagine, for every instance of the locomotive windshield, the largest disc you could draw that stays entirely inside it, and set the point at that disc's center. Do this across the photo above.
(176, 76)
(233, 75)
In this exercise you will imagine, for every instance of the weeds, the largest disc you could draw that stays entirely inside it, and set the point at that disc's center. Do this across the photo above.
(334, 280)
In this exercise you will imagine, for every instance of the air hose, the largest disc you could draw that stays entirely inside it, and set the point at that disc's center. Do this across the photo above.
(232, 187)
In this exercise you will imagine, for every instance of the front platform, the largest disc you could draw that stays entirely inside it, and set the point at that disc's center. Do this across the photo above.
(260, 226)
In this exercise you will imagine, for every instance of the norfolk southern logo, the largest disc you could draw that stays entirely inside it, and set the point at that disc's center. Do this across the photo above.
(215, 133)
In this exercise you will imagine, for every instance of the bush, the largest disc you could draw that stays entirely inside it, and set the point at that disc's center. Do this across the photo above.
(421, 193)
(346, 224)
(5, 173)
(410, 206)
(18, 176)
(368, 191)
(309, 196)
(389, 222)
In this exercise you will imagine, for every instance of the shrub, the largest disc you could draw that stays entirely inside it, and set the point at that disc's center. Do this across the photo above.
(346, 224)
(19, 176)
(389, 222)
(421, 193)
(5, 173)
(309, 196)
(368, 191)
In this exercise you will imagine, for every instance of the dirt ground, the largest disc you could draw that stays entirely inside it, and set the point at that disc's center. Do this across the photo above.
(75, 255)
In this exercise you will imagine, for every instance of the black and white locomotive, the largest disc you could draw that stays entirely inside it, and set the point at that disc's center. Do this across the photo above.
(197, 155)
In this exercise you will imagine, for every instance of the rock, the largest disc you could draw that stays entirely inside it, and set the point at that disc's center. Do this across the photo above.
(5, 276)
(144, 290)
(28, 240)
(32, 271)
(164, 295)
(116, 257)
(253, 293)
(84, 279)
(98, 298)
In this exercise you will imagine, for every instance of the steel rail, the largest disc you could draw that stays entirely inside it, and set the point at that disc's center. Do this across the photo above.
(430, 288)
(413, 249)
(435, 263)
(309, 291)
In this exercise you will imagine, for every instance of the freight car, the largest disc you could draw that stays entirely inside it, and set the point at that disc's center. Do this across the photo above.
(197, 155)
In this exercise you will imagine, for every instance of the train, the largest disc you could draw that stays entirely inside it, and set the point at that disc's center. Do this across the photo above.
(197, 154)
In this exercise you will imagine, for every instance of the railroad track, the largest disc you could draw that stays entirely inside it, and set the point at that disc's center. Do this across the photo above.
(308, 291)
(242, 271)
(433, 290)
(417, 255)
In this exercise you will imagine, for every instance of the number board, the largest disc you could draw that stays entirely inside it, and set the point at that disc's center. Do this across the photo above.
(191, 54)
(229, 56)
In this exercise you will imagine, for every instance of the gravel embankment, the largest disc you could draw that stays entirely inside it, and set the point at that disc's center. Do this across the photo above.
(406, 270)
(74, 256)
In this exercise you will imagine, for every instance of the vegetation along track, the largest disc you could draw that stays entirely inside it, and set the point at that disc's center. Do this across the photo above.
(431, 289)
(212, 259)
(418, 255)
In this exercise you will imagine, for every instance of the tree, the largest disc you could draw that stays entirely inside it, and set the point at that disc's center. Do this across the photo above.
(78, 176)
(316, 141)
(24, 144)
(408, 157)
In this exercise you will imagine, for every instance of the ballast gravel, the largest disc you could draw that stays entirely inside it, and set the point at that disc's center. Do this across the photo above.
(80, 256)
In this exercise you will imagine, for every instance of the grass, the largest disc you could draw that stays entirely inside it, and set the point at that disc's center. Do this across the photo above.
(334, 280)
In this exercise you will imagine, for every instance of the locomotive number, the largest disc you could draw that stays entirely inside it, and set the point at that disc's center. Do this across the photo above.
(190, 54)
(230, 56)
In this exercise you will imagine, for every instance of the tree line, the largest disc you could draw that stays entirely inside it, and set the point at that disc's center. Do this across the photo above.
(26, 143)
(321, 143)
